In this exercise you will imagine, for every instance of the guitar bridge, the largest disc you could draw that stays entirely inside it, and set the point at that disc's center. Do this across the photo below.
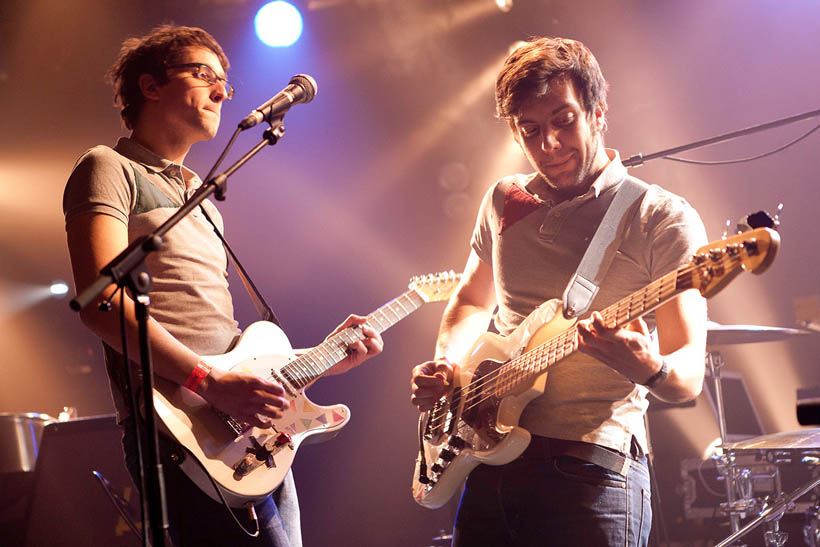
(258, 454)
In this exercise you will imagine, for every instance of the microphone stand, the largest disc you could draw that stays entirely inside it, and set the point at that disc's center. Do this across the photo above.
(128, 270)
(639, 159)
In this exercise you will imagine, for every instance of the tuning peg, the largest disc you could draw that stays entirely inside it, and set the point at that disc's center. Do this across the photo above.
(726, 229)
(777, 216)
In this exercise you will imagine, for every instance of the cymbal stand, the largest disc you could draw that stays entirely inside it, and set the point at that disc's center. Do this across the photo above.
(726, 461)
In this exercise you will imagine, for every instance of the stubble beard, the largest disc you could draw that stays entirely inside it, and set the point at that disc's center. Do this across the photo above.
(580, 180)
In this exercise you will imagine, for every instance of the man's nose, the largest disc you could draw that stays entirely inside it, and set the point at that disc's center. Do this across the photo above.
(550, 142)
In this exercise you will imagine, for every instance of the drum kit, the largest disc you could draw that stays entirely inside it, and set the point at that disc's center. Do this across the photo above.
(742, 464)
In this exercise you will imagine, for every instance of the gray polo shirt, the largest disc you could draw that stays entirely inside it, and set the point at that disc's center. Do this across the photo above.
(534, 247)
(190, 296)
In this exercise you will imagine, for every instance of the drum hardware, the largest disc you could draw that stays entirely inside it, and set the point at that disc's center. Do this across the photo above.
(725, 461)
(811, 531)
(777, 449)
(771, 515)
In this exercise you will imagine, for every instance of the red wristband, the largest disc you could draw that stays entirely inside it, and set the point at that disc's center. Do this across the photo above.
(201, 370)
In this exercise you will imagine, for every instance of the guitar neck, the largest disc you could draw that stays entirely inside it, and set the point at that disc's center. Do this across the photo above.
(536, 361)
(310, 366)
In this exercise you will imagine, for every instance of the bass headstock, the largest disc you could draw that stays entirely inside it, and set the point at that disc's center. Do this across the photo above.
(719, 262)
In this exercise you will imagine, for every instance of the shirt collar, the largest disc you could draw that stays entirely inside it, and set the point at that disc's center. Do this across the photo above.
(133, 150)
(612, 175)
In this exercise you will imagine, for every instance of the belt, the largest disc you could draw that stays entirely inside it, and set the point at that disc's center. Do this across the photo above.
(548, 447)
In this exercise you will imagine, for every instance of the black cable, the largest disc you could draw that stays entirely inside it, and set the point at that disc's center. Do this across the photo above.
(743, 160)
(251, 509)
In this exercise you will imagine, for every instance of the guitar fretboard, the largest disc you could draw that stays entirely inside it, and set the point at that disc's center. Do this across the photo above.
(536, 361)
(307, 368)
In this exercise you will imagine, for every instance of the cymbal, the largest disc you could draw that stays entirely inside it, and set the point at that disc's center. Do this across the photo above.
(717, 334)
(802, 438)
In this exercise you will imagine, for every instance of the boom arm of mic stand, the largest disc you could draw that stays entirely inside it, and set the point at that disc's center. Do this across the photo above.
(639, 159)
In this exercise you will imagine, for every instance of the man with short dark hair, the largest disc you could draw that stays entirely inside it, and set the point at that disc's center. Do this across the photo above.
(529, 237)
(170, 86)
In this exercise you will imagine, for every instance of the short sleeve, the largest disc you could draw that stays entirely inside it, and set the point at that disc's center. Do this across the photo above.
(677, 233)
(101, 182)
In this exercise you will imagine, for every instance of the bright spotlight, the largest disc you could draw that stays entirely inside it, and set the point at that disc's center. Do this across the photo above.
(278, 24)
(504, 5)
(59, 288)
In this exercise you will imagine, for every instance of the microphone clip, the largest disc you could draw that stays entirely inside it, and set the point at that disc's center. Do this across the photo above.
(276, 130)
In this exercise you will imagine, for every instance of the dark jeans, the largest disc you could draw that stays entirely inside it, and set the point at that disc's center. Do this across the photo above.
(554, 500)
(197, 520)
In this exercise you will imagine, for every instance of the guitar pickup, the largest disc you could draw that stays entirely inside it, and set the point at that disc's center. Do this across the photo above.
(258, 454)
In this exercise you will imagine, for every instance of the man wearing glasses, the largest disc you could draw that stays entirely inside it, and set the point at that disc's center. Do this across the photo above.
(170, 86)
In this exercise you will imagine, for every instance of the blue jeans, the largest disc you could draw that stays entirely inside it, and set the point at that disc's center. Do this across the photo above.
(556, 500)
(197, 520)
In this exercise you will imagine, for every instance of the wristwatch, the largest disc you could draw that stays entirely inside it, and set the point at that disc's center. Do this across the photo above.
(659, 376)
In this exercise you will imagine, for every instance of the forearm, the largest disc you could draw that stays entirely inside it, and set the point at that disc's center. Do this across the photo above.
(461, 324)
(171, 359)
(685, 377)
(682, 337)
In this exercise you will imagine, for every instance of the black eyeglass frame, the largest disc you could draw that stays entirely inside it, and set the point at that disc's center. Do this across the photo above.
(208, 75)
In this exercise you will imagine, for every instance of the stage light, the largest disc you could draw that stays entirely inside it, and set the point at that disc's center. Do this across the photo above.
(59, 288)
(278, 24)
(504, 5)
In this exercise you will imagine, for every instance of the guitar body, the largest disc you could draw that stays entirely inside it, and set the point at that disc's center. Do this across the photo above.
(262, 350)
(471, 427)
(248, 463)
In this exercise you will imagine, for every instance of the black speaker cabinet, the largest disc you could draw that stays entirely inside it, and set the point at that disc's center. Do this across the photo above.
(68, 505)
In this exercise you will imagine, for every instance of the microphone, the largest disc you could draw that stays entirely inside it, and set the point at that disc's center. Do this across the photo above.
(300, 89)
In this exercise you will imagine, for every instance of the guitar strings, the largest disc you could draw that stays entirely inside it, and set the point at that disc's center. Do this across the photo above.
(551, 348)
(555, 349)
(476, 387)
(301, 372)
(307, 368)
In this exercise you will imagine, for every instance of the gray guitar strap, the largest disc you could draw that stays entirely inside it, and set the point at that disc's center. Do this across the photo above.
(584, 284)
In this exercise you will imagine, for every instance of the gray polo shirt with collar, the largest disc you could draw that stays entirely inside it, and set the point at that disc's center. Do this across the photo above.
(190, 296)
(534, 247)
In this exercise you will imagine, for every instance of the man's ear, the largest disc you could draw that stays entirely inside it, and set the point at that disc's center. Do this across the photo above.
(149, 87)
(599, 116)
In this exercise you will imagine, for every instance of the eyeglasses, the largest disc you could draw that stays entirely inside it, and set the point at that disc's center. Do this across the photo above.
(207, 74)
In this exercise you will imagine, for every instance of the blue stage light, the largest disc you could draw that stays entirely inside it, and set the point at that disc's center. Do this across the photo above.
(278, 24)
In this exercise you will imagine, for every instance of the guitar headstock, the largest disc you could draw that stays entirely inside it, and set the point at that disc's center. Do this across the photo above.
(435, 287)
(719, 262)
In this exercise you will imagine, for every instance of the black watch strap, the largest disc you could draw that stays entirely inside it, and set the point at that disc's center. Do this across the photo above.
(659, 376)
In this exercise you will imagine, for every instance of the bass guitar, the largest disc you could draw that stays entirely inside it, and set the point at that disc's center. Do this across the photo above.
(248, 463)
(477, 422)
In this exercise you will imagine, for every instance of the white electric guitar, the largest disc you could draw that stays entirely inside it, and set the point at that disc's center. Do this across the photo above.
(478, 421)
(248, 463)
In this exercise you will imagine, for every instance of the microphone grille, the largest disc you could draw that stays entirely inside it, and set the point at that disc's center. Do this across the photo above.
(307, 83)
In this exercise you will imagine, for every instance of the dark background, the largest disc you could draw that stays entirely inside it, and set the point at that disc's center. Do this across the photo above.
(378, 179)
